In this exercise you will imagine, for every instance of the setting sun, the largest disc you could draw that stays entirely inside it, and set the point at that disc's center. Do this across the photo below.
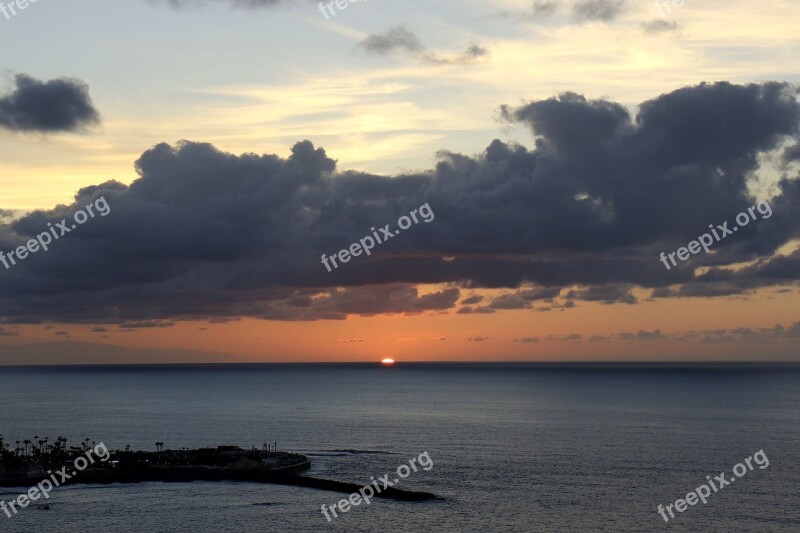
(388, 361)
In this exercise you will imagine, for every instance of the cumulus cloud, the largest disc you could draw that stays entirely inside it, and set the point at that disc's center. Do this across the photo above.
(205, 234)
(59, 105)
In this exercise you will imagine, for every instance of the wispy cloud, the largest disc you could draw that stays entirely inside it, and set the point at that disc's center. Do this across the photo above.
(400, 39)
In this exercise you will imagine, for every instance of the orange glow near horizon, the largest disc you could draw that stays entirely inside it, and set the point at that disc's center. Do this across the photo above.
(505, 335)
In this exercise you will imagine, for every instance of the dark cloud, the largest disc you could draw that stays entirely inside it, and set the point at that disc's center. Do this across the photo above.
(607, 294)
(527, 340)
(478, 339)
(745, 335)
(204, 234)
(469, 310)
(523, 299)
(146, 324)
(544, 8)
(581, 11)
(472, 53)
(508, 301)
(602, 10)
(394, 39)
(778, 334)
(655, 335)
(400, 39)
(657, 26)
(792, 153)
(572, 337)
(539, 293)
(59, 105)
(539, 11)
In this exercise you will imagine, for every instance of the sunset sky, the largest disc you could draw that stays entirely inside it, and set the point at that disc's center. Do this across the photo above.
(561, 145)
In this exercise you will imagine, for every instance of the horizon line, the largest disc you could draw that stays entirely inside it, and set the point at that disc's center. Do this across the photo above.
(404, 363)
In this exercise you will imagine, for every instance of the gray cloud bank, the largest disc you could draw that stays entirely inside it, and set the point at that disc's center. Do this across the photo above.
(204, 234)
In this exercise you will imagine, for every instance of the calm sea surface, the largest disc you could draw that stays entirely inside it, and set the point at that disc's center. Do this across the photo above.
(518, 447)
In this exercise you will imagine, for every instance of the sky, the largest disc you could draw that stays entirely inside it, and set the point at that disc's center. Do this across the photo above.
(545, 153)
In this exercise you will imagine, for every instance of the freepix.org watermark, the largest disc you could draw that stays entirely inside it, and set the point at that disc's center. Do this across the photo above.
(43, 240)
(366, 244)
(10, 9)
(367, 492)
(705, 240)
(48, 484)
(341, 5)
(665, 6)
(719, 482)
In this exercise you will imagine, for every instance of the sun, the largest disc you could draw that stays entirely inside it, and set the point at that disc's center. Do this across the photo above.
(388, 361)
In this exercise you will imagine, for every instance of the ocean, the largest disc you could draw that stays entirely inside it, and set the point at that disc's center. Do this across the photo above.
(515, 447)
